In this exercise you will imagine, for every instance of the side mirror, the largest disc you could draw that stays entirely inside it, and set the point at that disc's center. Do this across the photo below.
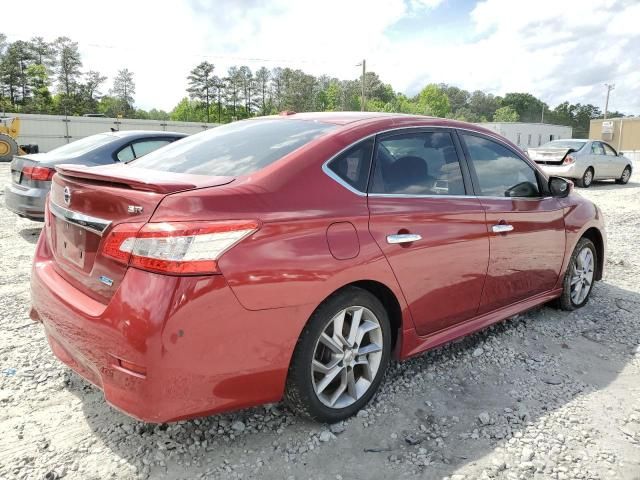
(559, 187)
(621, 154)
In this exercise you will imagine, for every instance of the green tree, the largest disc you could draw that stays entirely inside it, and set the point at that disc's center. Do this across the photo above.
(506, 114)
(44, 53)
(529, 108)
(124, 88)
(202, 85)
(483, 105)
(41, 101)
(262, 78)
(68, 66)
(433, 101)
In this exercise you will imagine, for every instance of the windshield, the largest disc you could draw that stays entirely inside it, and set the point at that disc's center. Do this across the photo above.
(575, 144)
(82, 146)
(238, 148)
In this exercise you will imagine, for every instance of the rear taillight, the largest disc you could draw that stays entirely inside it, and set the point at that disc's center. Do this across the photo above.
(568, 160)
(38, 173)
(175, 247)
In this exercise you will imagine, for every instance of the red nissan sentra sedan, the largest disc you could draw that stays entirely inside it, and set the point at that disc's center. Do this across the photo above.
(293, 256)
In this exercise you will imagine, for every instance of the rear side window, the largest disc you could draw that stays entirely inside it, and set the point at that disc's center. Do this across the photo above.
(143, 147)
(126, 154)
(421, 163)
(238, 148)
(353, 165)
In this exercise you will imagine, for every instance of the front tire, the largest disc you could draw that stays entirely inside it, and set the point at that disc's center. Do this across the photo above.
(626, 175)
(587, 178)
(340, 358)
(579, 277)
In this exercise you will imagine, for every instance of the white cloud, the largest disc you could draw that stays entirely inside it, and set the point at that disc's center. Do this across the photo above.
(554, 49)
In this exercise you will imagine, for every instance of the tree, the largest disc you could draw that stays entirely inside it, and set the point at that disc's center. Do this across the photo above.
(202, 85)
(529, 108)
(68, 66)
(483, 105)
(43, 52)
(506, 114)
(458, 98)
(433, 101)
(262, 78)
(124, 88)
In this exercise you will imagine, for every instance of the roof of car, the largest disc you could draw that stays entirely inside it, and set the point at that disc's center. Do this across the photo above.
(145, 133)
(343, 118)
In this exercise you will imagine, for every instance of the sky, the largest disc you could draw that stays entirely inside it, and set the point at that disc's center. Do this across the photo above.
(555, 49)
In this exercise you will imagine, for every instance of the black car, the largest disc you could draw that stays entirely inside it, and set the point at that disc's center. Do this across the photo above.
(31, 174)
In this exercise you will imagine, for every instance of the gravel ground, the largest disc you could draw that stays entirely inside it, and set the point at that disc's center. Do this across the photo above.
(547, 394)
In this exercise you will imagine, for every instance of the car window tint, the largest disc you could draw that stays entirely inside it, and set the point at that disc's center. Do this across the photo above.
(500, 172)
(608, 150)
(420, 163)
(126, 154)
(82, 146)
(237, 148)
(596, 148)
(353, 165)
(147, 146)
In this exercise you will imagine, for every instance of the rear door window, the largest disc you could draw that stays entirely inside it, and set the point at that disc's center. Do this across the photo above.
(238, 148)
(417, 163)
(142, 147)
(597, 148)
(126, 154)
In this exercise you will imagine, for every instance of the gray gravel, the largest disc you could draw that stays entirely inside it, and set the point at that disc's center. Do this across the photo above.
(547, 394)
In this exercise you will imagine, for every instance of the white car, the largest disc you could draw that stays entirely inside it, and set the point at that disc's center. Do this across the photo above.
(582, 161)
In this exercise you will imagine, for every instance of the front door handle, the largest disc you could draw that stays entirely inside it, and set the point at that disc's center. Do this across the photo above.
(403, 238)
(502, 228)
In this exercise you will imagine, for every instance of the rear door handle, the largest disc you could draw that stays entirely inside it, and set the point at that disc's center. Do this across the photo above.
(403, 238)
(502, 228)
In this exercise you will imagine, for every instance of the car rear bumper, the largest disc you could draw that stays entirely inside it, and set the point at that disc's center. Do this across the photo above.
(566, 171)
(167, 348)
(26, 202)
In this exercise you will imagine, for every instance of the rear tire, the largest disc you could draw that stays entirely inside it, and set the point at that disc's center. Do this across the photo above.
(587, 178)
(8, 148)
(580, 275)
(336, 368)
(626, 175)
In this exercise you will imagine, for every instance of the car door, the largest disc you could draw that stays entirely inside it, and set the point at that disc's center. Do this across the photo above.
(615, 164)
(599, 160)
(432, 232)
(524, 223)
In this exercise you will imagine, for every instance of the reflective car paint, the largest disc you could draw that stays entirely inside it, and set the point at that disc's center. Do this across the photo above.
(212, 343)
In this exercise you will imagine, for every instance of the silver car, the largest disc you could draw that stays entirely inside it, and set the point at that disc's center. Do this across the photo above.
(582, 161)
(31, 174)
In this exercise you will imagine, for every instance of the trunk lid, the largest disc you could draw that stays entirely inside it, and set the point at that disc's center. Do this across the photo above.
(18, 165)
(549, 156)
(86, 203)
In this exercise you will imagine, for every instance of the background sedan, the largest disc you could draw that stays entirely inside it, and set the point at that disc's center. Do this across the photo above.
(583, 161)
(31, 174)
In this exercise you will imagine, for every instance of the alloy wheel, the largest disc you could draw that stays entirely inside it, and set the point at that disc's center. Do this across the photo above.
(582, 277)
(588, 178)
(347, 357)
(625, 175)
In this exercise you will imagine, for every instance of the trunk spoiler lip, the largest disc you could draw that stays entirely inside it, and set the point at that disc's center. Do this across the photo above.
(142, 179)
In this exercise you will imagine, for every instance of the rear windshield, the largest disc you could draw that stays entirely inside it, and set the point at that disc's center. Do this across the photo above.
(575, 144)
(238, 148)
(84, 145)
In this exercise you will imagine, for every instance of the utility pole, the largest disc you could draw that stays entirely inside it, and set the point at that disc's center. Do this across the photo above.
(610, 86)
(363, 98)
(542, 119)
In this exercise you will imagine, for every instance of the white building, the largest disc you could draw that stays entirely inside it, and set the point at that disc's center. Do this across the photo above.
(527, 135)
(51, 131)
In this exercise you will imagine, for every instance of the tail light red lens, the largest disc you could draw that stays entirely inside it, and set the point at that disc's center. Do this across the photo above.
(38, 173)
(568, 160)
(183, 248)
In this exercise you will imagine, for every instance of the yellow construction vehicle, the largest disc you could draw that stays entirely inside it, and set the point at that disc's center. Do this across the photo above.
(9, 131)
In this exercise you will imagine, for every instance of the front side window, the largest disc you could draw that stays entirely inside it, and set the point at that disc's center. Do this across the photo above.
(353, 165)
(609, 150)
(420, 163)
(500, 172)
(234, 149)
